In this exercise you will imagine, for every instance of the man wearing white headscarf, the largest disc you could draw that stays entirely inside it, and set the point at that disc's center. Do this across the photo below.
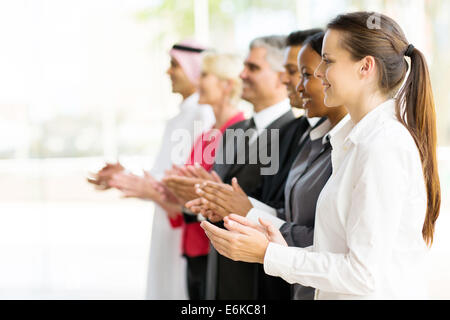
(166, 277)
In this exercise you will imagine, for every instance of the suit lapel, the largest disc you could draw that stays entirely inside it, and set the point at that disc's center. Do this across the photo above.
(231, 170)
(260, 147)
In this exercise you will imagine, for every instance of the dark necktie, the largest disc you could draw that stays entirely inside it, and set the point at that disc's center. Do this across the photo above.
(241, 147)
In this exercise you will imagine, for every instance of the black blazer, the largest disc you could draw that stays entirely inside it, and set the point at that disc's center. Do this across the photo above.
(272, 192)
(228, 279)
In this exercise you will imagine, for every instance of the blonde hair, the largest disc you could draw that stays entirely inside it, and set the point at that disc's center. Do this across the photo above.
(225, 66)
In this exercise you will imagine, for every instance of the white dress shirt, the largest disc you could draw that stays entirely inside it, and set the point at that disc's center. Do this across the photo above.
(368, 229)
(166, 278)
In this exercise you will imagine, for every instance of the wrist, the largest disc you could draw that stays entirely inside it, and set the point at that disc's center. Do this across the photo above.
(242, 213)
(153, 196)
(247, 209)
(263, 251)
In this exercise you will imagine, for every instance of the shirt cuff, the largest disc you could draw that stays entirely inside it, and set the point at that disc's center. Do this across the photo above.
(278, 259)
(260, 205)
(254, 214)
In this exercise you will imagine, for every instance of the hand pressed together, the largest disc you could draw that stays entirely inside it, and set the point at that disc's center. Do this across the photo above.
(243, 240)
(223, 199)
(133, 186)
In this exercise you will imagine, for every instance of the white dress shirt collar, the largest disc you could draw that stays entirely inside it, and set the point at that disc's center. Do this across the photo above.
(265, 117)
(320, 131)
(341, 129)
(325, 131)
(341, 132)
(363, 127)
(313, 121)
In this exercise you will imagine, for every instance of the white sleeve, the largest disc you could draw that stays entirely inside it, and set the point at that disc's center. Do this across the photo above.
(256, 213)
(262, 210)
(261, 205)
(372, 224)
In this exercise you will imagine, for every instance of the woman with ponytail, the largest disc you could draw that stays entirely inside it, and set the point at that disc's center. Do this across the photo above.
(377, 212)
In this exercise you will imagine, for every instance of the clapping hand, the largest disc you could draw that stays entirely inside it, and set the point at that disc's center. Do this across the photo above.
(224, 199)
(134, 186)
(243, 240)
(102, 178)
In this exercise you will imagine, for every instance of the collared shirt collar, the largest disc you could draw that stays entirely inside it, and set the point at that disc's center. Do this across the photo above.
(265, 117)
(313, 121)
(363, 127)
(343, 122)
(340, 132)
(320, 131)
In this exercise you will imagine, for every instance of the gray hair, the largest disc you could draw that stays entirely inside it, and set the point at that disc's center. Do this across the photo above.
(275, 46)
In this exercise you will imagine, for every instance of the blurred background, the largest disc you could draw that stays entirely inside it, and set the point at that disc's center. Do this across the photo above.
(83, 82)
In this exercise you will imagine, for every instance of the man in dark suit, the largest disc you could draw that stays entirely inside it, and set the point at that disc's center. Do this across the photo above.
(263, 87)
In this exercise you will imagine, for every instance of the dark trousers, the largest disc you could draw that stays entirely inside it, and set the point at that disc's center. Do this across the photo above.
(196, 277)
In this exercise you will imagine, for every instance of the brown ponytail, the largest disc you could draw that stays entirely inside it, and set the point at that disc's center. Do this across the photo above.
(419, 117)
(415, 109)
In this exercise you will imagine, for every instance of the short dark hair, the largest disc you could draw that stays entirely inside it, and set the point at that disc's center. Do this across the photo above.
(315, 41)
(297, 38)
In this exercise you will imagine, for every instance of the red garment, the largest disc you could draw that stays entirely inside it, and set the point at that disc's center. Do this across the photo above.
(194, 240)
